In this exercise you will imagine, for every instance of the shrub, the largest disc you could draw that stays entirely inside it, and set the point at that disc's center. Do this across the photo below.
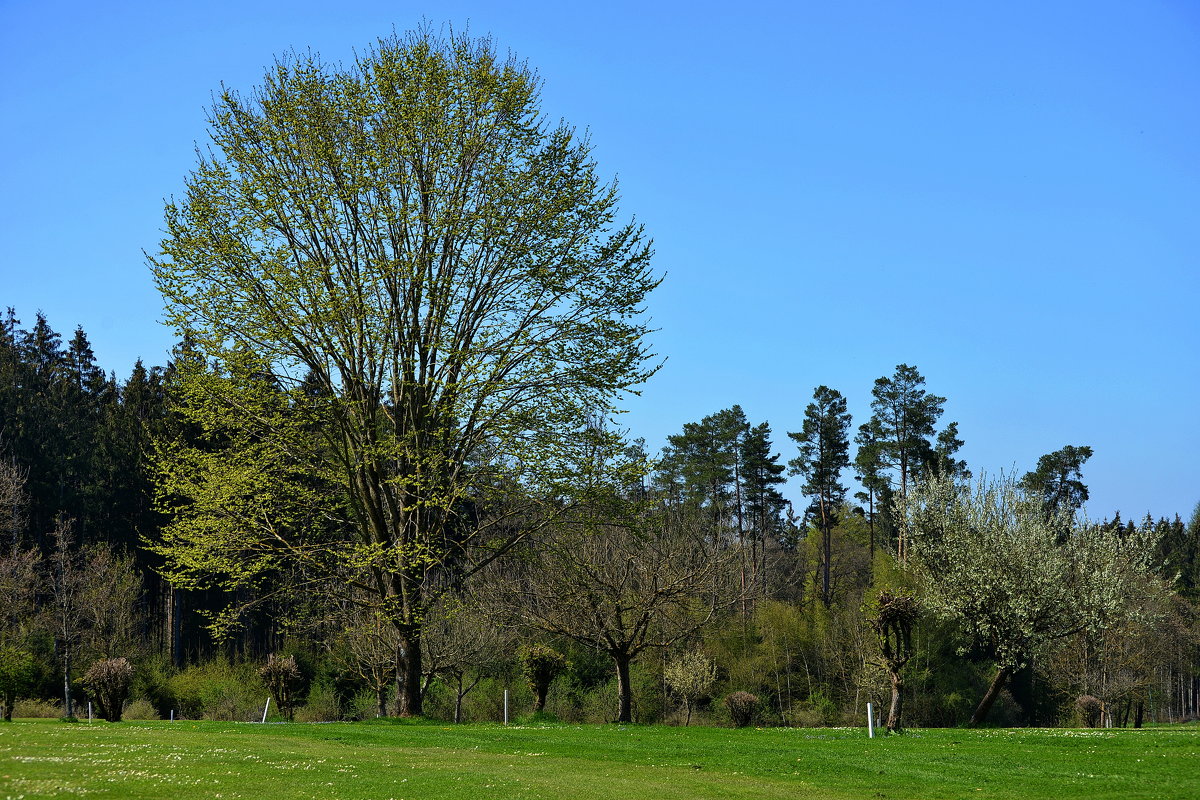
(140, 709)
(742, 708)
(16, 675)
(282, 677)
(540, 665)
(363, 705)
(1088, 708)
(322, 705)
(33, 708)
(107, 680)
(217, 690)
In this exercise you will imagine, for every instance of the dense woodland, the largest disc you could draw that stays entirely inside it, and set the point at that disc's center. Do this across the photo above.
(686, 589)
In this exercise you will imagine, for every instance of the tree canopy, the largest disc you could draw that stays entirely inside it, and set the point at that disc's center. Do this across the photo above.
(441, 269)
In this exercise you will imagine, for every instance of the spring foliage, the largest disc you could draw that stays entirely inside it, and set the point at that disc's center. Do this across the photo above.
(415, 289)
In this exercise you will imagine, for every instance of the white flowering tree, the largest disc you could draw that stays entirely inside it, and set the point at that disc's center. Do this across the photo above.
(990, 559)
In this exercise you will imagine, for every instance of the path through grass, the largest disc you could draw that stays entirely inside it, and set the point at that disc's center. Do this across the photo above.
(426, 761)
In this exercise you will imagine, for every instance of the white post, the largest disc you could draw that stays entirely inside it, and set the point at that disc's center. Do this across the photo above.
(870, 722)
(506, 706)
(89, 711)
(268, 705)
(172, 715)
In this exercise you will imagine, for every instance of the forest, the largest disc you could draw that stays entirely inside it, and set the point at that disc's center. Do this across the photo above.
(721, 587)
(380, 475)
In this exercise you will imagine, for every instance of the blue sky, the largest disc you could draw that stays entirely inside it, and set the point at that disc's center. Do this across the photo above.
(1005, 195)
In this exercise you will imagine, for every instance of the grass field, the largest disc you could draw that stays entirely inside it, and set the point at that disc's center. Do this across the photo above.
(425, 760)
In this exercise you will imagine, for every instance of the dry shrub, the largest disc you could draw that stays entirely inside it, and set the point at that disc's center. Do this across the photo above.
(742, 708)
(107, 680)
(1088, 708)
(140, 709)
(33, 708)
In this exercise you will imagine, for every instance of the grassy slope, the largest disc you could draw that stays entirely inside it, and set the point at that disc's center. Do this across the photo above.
(185, 760)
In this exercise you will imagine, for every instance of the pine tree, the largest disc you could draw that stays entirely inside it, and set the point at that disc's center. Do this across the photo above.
(761, 473)
(824, 453)
(900, 430)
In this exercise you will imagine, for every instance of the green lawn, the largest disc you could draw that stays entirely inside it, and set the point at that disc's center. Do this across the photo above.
(421, 761)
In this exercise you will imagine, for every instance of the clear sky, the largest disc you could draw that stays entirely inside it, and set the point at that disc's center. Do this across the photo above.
(1004, 195)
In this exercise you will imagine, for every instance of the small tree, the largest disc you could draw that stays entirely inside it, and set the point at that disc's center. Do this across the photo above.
(690, 678)
(16, 676)
(284, 680)
(464, 645)
(540, 665)
(993, 561)
(892, 621)
(108, 682)
(742, 708)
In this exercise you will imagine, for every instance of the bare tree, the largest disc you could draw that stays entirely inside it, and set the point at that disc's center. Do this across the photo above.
(464, 645)
(624, 586)
(13, 501)
(67, 584)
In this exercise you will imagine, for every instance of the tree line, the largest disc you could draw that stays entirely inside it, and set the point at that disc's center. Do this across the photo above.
(674, 580)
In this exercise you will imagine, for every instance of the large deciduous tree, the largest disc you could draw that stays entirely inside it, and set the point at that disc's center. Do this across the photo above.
(447, 269)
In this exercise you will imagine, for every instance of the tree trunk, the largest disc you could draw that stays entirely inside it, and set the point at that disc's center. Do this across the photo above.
(408, 675)
(624, 689)
(67, 700)
(989, 697)
(10, 700)
(381, 700)
(1138, 712)
(894, 723)
(539, 697)
(825, 540)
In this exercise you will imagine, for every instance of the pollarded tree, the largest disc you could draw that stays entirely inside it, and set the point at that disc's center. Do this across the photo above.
(991, 560)
(446, 265)
(892, 616)
(824, 453)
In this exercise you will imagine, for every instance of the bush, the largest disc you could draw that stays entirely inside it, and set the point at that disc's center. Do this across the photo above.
(33, 708)
(217, 690)
(817, 711)
(140, 709)
(742, 706)
(540, 665)
(363, 705)
(322, 705)
(282, 676)
(1088, 709)
(107, 680)
(16, 676)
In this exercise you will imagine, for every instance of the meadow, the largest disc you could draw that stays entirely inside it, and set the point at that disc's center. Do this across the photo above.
(427, 760)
